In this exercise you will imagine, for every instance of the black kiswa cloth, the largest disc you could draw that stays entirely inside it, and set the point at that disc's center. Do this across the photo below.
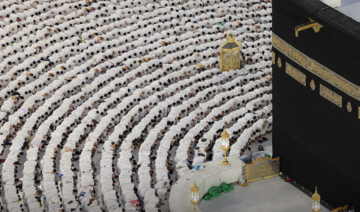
(309, 138)
(336, 45)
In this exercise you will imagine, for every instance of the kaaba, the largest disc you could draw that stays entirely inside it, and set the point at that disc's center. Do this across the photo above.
(316, 85)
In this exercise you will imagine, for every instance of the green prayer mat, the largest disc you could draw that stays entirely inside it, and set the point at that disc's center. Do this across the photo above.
(226, 188)
(207, 197)
(215, 191)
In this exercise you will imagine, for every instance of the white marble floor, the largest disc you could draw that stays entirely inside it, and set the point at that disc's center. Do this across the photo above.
(272, 194)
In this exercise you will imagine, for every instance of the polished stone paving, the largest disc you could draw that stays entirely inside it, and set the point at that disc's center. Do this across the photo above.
(271, 195)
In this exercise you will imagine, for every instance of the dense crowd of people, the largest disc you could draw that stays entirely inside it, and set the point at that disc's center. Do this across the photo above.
(105, 104)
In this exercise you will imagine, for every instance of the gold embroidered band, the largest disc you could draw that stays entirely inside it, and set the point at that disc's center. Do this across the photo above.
(348, 107)
(273, 57)
(296, 74)
(330, 95)
(316, 68)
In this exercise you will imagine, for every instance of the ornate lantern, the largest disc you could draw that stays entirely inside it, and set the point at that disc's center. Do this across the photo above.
(194, 195)
(316, 201)
(225, 145)
(230, 54)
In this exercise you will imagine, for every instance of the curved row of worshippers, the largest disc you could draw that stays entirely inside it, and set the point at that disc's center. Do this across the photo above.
(22, 19)
(31, 39)
(41, 120)
(32, 102)
(10, 104)
(64, 154)
(200, 77)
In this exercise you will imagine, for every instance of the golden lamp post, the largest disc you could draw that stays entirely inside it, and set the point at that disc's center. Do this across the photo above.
(194, 196)
(230, 54)
(225, 145)
(316, 201)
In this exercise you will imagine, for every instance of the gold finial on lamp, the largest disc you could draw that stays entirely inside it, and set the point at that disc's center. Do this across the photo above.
(316, 201)
(225, 145)
(194, 195)
(230, 54)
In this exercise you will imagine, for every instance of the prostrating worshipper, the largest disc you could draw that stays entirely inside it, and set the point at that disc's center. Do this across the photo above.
(79, 81)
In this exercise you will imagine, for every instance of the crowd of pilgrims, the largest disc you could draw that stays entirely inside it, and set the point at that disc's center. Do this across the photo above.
(105, 104)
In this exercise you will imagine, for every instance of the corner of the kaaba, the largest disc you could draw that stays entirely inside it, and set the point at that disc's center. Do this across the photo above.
(316, 97)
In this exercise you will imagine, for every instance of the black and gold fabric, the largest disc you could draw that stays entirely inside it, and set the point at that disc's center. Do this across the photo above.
(316, 85)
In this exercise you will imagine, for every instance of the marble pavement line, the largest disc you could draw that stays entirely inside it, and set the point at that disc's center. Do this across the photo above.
(273, 194)
(213, 174)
